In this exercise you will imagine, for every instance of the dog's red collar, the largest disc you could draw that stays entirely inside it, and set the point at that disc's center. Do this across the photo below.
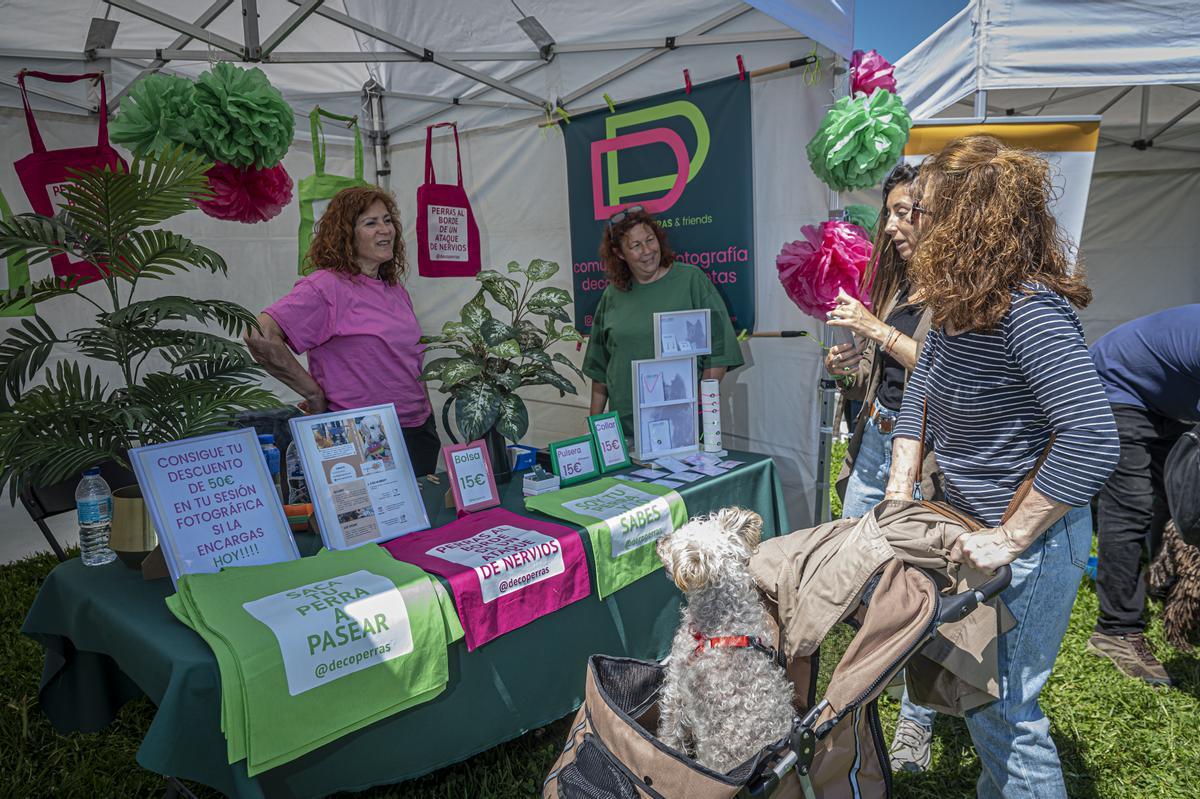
(738, 642)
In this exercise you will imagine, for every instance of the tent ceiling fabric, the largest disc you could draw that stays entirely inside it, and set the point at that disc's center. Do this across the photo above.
(445, 28)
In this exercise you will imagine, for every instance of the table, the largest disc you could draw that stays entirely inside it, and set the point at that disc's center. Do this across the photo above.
(109, 638)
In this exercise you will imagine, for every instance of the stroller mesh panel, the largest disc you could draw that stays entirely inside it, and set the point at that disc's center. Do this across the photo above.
(593, 775)
(631, 685)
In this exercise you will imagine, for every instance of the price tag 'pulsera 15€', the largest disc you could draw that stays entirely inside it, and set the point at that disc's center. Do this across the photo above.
(471, 478)
(574, 460)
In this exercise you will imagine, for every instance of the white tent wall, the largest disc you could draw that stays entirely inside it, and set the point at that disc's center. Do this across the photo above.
(516, 178)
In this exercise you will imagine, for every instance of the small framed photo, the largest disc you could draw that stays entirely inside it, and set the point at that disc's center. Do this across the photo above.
(665, 408)
(678, 333)
(609, 440)
(574, 460)
(471, 480)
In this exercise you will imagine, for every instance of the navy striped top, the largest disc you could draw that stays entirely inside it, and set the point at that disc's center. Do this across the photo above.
(994, 398)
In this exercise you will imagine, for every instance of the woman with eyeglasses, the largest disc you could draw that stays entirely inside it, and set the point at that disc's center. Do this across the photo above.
(1005, 388)
(643, 279)
(879, 365)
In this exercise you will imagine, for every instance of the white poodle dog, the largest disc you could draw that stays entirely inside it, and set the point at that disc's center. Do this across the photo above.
(724, 694)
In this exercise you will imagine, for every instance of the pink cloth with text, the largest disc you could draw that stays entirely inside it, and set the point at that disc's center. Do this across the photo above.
(362, 340)
(504, 570)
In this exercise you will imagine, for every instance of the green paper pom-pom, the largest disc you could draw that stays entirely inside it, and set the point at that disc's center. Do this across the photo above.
(864, 216)
(241, 118)
(157, 114)
(859, 140)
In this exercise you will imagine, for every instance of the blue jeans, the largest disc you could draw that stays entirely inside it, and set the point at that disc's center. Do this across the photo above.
(869, 478)
(1012, 735)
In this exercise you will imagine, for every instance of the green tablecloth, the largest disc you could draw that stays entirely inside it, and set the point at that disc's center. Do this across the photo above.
(109, 637)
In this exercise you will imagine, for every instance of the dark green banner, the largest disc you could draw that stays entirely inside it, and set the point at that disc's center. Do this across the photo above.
(687, 159)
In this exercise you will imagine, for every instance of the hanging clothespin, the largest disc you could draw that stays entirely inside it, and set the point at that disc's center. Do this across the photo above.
(687, 82)
(612, 109)
(353, 121)
(741, 68)
(812, 69)
(562, 112)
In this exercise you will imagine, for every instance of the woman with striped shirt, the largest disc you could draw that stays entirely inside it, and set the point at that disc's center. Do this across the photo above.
(1005, 374)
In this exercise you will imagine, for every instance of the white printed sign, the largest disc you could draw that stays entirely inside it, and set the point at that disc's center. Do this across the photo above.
(634, 518)
(575, 460)
(505, 558)
(470, 472)
(610, 441)
(447, 233)
(332, 628)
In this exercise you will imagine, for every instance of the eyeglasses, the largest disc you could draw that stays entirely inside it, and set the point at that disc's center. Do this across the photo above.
(621, 216)
(916, 213)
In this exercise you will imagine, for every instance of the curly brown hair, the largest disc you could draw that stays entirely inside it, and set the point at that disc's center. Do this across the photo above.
(332, 245)
(615, 267)
(989, 229)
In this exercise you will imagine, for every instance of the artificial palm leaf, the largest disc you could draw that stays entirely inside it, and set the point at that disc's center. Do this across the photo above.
(23, 354)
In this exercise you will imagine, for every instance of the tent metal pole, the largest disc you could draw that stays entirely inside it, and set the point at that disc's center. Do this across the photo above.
(1174, 119)
(372, 95)
(52, 95)
(55, 55)
(981, 107)
(176, 24)
(472, 94)
(424, 54)
(250, 30)
(211, 13)
(288, 25)
(1145, 118)
(644, 58)
(1049, 101)
(1121, 94)
(689, 40)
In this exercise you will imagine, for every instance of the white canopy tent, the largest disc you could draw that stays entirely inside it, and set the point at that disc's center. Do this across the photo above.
(1136, 64)
(469, 62)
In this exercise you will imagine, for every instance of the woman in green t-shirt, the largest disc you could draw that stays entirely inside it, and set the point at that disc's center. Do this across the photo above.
(644, 279)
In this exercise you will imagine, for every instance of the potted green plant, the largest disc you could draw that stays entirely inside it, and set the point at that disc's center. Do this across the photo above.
(175, 379)
(493, 358)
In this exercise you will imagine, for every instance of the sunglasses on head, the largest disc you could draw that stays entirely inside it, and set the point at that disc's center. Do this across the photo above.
(622, 215)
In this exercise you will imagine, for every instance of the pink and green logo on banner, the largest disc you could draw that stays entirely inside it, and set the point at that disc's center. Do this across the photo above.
(623, 519)
(504, 570)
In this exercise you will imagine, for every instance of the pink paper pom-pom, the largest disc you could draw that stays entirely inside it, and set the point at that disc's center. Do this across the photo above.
(870, 71)
(246, 195)
(831, 257)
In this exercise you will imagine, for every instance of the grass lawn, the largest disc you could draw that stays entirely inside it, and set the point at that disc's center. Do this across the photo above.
(1117, 737)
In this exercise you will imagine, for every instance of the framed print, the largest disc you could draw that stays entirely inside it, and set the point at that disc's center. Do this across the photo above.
(213, 503)
(574, 460)
(359, 476)
(681, 333)
(665, 407)
(471, 480)
(610, 441)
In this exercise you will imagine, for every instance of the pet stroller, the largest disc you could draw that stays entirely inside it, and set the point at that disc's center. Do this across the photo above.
(612, 752)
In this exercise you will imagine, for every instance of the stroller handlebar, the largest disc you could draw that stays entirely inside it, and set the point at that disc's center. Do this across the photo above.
(960, 605)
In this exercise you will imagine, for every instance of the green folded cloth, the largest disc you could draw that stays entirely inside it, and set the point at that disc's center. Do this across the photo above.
(624, 521)
(313, 649)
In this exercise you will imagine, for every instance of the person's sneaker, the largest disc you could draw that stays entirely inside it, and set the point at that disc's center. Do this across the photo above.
(1132, 657)
(910, 747)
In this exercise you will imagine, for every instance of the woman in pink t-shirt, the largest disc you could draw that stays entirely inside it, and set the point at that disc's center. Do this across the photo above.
(355, 321)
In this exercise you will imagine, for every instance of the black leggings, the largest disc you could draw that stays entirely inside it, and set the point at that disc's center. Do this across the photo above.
(424, 446)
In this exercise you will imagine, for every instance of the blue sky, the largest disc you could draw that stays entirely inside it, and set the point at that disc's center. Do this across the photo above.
(893, 27)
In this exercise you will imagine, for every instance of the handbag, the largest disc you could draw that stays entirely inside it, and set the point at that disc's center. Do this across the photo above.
(447, 236)
(316, 190)
(44, 172)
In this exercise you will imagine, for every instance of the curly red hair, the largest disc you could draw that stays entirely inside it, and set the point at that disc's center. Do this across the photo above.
(989, 230)
(615, 267)
(332, 245)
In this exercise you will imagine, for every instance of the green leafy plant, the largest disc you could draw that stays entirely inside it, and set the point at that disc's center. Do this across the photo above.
(493, 358)
(73, 419)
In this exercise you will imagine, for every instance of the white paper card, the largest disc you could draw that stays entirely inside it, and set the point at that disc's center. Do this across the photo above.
(634, 517)
(332, 628)
(672, 465)
(447, 233)
(610, 441)
(470, 469)
(653, 474)
(686, 477)
(667, 483)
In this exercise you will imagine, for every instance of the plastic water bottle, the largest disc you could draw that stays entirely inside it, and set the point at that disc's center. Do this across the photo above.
(267, 442)
(93, 505)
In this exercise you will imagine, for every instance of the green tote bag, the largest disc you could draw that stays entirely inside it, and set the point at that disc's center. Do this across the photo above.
(316, 190)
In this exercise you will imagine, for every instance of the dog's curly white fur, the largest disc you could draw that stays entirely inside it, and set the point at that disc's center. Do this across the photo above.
(724, 704)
